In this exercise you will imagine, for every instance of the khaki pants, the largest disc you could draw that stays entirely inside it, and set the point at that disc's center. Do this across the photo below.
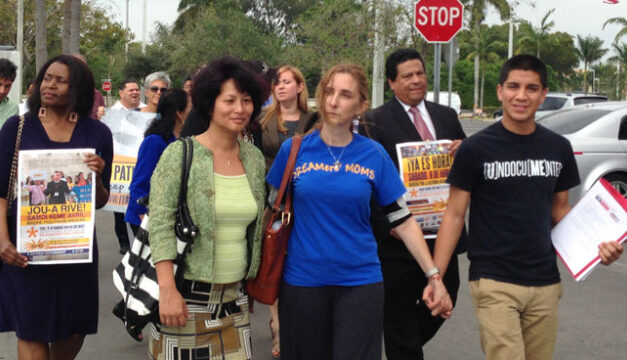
(516, 322)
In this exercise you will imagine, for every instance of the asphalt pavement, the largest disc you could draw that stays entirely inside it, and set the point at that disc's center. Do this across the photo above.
(591, 314)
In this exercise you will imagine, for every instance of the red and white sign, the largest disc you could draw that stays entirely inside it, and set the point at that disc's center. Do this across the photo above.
(106, 85)
(438, 20)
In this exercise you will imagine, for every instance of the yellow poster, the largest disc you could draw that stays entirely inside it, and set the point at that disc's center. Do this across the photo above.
(424, 167)
(55, 206)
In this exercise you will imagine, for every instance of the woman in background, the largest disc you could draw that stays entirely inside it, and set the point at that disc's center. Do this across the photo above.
(172, 111)
(156, 84)
(285, 116)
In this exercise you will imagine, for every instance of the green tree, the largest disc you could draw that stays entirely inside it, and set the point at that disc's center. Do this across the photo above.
(534, 37)
(559, 53)
(485, 49)
(211, 35)
(619, 21)
(100, 38)
(323, 39)
(621, 58)
(478, 9)
(589, 49)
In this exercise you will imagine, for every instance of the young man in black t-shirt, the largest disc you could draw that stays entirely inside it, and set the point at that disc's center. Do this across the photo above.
(517, 174)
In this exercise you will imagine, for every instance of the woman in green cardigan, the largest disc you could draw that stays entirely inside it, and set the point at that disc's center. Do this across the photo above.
(209, 316)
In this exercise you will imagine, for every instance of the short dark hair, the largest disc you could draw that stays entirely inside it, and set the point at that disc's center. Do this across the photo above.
(400, 56)
(126, 82)
(208, 84)
(81, 91)
(524, 62)
(8, 70)
(172, 101)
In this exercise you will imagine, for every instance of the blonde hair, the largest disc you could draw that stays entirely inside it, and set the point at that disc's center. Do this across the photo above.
(348, 68)
(275, 107)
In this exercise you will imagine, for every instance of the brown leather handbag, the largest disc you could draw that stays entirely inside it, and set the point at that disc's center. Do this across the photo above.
(265, 287)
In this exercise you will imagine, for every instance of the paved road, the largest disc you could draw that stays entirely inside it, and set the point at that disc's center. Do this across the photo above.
(592, 318)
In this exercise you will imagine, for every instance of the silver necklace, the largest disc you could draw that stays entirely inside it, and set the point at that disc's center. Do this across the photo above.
(337, 163)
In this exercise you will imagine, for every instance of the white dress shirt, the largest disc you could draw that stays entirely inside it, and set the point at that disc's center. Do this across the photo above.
(423, 113)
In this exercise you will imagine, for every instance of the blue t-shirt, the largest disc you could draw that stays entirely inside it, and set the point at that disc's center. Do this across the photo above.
(148, 156)
(332, 241)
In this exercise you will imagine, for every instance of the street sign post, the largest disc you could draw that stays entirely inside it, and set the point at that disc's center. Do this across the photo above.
(106, 85)
(438, 21)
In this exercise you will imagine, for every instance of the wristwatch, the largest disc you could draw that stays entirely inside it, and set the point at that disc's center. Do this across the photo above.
(432, 272)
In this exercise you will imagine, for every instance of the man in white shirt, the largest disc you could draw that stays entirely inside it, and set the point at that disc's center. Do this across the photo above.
(129, 97)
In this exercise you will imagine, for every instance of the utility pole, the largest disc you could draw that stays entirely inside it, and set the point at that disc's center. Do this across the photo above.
(19, 41)
(377, 61)
(144, 28)
(127, 32)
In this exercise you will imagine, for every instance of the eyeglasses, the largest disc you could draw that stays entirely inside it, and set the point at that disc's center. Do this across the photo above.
(156, 88)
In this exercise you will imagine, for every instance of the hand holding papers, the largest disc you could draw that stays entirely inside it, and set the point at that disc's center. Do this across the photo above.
(599, 216)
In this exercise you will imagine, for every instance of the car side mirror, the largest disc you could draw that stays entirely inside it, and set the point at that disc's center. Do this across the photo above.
(622, 130)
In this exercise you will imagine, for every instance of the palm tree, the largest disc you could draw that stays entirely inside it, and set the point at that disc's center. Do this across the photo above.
(478, 10)
(534, 36)
(619, 21)
(41, 50)
(589, 50)
(621, 58)
(489, 45)
(188, 10)
(71, 26)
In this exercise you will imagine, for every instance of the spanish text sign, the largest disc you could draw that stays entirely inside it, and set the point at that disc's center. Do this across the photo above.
(424, 167)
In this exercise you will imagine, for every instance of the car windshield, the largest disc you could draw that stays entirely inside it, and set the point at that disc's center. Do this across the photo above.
(552, 103)
(568, 121)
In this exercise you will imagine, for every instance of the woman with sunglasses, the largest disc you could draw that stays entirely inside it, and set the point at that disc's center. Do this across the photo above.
(156, 85)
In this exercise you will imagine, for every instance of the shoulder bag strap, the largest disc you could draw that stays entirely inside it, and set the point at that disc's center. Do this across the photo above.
(13, 174)
(189, 228)
(287, 176)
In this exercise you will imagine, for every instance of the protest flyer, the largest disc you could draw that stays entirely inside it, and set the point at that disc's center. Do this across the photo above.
(56, 206)
(599, 216)
(424, 167)
(128, 129)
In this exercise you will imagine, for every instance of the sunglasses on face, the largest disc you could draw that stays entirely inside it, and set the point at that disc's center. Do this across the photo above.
(156, 88)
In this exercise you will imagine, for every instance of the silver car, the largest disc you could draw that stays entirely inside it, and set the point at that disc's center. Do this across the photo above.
(598, 134)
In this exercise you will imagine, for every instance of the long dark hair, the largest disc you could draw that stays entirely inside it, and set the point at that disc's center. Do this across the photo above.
(172, 101)
(81, 91)
(208, 85)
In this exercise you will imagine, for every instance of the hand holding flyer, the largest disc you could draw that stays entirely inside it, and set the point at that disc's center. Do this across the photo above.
(599, 216)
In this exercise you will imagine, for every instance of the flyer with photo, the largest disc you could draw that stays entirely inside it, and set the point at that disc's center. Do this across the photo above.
(424, 166)
(56, 206)
(127, 128)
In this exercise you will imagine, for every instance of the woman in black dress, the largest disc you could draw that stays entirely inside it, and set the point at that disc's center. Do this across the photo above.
(52, 307)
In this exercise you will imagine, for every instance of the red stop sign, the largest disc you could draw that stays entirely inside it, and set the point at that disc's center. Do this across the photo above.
(106, 85)
(438, 20)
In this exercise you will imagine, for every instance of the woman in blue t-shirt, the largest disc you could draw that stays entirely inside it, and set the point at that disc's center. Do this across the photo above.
(331, 301)
(172, 111)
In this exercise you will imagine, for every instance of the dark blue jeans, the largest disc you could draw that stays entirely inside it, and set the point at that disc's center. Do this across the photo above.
(331, 322)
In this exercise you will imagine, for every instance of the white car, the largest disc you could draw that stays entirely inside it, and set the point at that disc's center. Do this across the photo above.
(456, 102)
(598, 135)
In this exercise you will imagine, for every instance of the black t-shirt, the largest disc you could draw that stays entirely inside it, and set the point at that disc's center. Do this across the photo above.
(512, 179)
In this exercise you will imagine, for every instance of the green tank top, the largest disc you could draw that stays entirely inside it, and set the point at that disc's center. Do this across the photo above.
(235, 209)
